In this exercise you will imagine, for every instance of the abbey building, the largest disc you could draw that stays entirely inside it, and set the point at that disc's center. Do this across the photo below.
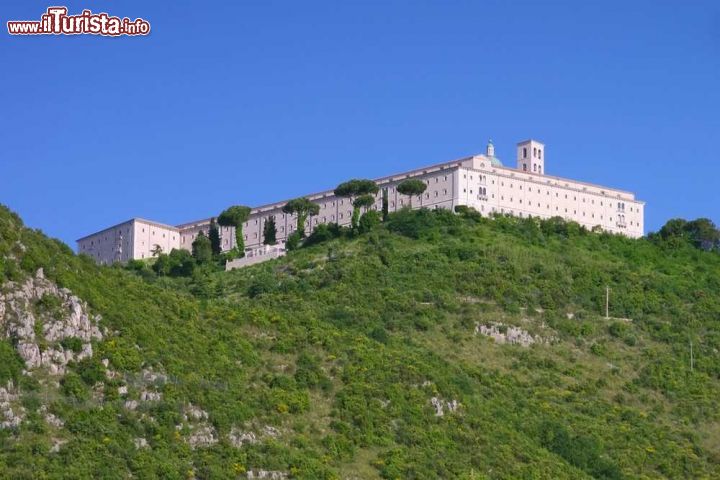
(480, 181)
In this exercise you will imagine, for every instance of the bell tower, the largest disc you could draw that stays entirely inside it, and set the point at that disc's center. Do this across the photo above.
(531, 157)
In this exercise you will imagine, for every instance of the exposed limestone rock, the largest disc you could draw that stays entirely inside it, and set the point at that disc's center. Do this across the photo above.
(238, 437)
(440, 406)
(141, 443)
(122, 390)
(57, 443)
(151, 377)
(202, 436)
(266, 474)
(194, 413)
(50, 418)
(507, 334)
(11, 413)
(131, 404)
(38, 316)
(147, 396)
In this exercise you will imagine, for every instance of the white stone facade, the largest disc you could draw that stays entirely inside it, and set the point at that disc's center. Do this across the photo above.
(480, 182)
(134, 239)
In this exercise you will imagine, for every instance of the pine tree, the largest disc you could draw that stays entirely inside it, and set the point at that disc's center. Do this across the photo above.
(270, 231)
(214, 235)
(235, 216)
(302, 207)
(201, 249)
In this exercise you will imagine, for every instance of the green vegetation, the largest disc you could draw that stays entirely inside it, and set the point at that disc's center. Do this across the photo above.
(412, 187)
(342, 345)
(178, 263)
(235, 216)
(302, 207)
(360, 192)
(11, 365)
(385, 204)
(270, 231)
(202, 250)
(214, 236)
(701, 233)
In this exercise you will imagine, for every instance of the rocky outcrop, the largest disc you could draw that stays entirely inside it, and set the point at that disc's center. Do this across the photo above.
(202, 434)
(239, 437)
(50, 326)
(57, 444)
(266, 474)
(11, 413)
(50, 418)
(501, 333)
(441, 405)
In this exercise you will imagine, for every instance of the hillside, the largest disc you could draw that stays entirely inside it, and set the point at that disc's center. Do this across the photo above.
(434, 346)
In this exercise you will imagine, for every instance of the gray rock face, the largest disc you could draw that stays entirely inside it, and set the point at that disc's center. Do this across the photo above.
(57, 444)
(506, 334)
(194, 413)
(50, 418)
(39, 331)
(239, 437)
(441, 405)
(11, 412)
(148, 396)
(266, 474)
(202, 436)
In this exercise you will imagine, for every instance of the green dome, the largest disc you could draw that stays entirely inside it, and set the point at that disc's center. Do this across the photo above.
(495, 162)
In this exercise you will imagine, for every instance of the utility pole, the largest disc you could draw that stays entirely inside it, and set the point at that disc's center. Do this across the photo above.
(692, 359)
(607, 302)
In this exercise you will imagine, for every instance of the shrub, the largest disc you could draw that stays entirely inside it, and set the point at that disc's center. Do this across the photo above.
(369, 221)
(11, 364)
(618, 329)
(293, 241)
(323, 233)
(72, 343)
(179, 263)
(74, 387)
(582, 451)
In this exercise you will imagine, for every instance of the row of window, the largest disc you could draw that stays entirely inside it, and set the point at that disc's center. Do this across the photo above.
(621, 205)
(536, 168)
(547, 192)
(537, 153)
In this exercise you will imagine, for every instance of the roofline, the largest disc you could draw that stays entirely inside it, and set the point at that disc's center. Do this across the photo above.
(132, 220)
(105, 229)
(387, 178)
(456, 163)
(542, 175)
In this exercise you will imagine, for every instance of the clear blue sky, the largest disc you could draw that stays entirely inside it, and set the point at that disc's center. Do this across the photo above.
(252, 102)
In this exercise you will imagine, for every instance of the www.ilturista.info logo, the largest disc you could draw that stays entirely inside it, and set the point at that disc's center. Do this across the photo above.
(56, 21)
